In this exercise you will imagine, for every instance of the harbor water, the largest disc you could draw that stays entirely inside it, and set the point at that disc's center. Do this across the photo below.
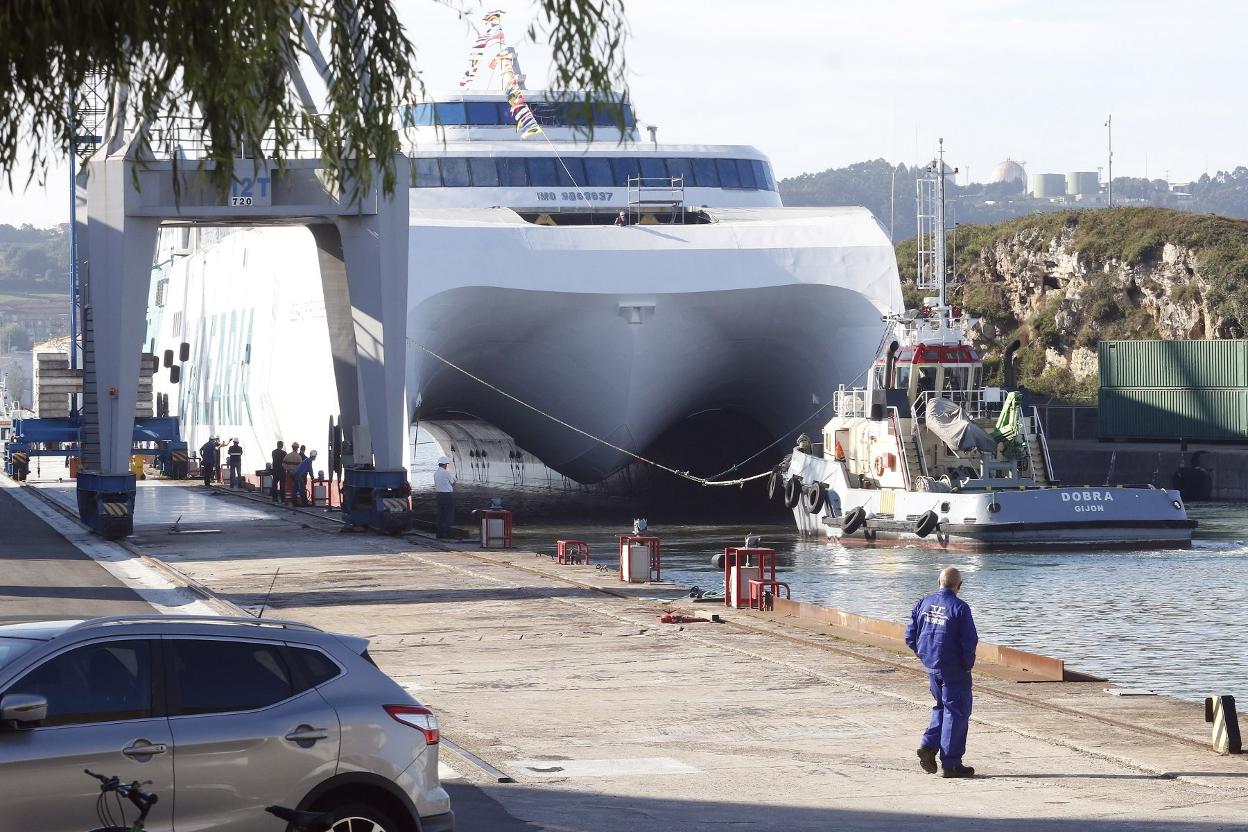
(1142, 619)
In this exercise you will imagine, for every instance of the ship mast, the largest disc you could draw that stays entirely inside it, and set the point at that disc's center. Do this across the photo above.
(932, 271)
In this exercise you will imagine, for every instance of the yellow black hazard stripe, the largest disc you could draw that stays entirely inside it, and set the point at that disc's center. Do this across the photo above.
(394, 504)
(114, 509)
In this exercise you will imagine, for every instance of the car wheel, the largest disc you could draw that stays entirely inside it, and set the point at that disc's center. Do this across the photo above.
(359, 817)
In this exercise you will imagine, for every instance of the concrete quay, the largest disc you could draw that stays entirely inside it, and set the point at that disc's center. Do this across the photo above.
(606, 719)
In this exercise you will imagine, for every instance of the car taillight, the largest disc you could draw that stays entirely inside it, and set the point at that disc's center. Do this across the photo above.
(422, 719)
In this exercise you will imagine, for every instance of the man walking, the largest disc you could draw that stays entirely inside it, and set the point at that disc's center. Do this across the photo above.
(235, 457)
(278, 456)
(444, 487)
(942, 634)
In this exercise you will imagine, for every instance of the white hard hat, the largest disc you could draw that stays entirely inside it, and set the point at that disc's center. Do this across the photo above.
(443, 461)
(312, 455)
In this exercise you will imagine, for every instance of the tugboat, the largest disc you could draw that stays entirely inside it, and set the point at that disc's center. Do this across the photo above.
(926, 455)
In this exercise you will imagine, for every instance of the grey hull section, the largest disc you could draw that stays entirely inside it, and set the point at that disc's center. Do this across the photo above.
(1160, 534)
(770, 354)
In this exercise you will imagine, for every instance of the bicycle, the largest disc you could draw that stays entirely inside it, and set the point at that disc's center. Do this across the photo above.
(144, 801)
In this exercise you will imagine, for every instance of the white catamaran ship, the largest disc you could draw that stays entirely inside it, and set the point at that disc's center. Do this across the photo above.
(617, 284)
(925, 455)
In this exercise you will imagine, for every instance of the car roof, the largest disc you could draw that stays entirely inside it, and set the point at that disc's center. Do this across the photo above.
(38, 630)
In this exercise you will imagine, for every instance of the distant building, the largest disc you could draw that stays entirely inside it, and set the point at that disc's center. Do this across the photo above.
(1008, 171)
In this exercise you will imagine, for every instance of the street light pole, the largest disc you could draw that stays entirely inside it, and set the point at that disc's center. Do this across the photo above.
(1109, 126)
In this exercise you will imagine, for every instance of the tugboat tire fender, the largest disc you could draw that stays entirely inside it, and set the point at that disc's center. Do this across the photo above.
(793, 492)
(814, 497)
(853, 520)
(774, 488)
(926, 524)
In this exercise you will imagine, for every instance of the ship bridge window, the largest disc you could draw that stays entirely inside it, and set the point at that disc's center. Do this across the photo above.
(512, 172)
(574, 166)
(745, 170)
(595, 171)
(426, 173)
(902, 377)
(598, 171)
(682, 168)
(728, 175)
(652, 168)
(484, 172)
(485, 113)
(452, 113)
(455, 173)
(624, 167)
(420, 115)
(957, 378)
(927, 379)
(542, 171)
(706, 172)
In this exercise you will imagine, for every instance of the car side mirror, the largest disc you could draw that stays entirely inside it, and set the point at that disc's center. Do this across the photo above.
(22, 710)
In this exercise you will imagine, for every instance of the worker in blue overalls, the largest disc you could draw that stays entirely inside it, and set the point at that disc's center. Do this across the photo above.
(942, 634)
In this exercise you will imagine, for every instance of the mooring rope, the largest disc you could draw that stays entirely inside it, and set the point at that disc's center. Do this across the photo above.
(704, 481)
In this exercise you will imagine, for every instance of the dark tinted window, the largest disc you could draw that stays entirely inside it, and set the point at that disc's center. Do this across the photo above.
(728, 177)
(426, 173)
(513, 172)
(705, 172)
(455, 173)
(484, 172)
(315, 668)
(542, 171)
(576, 168)
(762, 177)
(483, 112)
(94, 683)
(744, 169)
(215, 677)
(622, 168)
(683, 168)
(504, 114)
(547, 113)
(652, 168)
(608, 115)
(452, 113)
(577, 113)
(598, 171)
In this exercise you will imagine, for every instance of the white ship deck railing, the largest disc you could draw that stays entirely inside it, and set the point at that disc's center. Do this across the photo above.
(850, 401)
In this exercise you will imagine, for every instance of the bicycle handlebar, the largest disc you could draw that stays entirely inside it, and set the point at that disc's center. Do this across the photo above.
(142, 800)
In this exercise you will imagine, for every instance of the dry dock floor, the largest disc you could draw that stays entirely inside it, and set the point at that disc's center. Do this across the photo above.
(607, 719)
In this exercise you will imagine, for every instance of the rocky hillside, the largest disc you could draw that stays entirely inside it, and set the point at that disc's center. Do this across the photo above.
(1062, 282)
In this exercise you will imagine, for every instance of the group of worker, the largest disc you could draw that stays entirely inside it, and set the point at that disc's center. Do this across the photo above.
(291, 472)
(210, 461)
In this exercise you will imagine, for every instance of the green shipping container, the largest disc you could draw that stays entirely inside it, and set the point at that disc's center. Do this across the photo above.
(1177, 364)
(1198, 415)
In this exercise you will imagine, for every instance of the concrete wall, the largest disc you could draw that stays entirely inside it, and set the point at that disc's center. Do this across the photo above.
(1104, 463)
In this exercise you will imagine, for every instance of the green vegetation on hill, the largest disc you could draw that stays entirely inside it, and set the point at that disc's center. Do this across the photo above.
(33, 261)
(995, 279)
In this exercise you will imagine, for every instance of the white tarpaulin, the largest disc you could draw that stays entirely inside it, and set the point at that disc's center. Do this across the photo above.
(948, 421)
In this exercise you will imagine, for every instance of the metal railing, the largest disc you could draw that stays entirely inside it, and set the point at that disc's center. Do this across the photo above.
(185, 137)
(651, 195)
(850, 401)
(1038, 427)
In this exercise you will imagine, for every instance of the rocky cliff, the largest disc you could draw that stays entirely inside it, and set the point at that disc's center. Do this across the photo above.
(1062, 282)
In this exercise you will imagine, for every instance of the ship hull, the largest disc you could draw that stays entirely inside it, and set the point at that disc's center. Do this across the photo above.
(573, 348)
(1050, 517)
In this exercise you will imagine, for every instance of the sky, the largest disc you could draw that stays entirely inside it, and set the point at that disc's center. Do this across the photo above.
(824, 83)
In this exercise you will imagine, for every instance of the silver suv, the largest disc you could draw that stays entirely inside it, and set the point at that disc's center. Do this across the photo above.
(224, 716)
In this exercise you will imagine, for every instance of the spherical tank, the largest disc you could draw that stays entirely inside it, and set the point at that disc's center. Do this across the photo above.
(1008, 171)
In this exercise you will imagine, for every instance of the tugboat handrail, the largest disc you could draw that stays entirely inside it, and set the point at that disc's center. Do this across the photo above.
(917, 432)
(850, 401)
(895, 418)
(1044, 443)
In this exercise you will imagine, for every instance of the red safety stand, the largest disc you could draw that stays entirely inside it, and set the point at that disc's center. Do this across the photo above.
(572, 551)
(627, 573)
(761, 593)
(745, 564)
(492, 536)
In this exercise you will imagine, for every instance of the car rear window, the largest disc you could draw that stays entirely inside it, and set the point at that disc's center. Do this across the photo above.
(315, 668)
(222, 676)
(11, 648)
